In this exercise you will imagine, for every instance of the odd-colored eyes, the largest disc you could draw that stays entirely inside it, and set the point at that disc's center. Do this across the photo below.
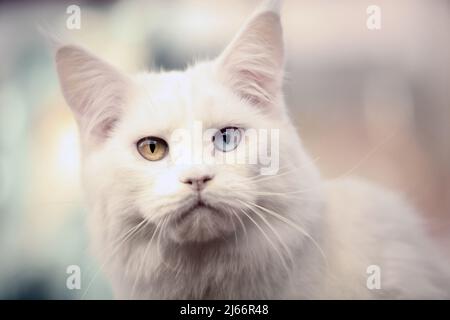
(227, 139)
(152, 148)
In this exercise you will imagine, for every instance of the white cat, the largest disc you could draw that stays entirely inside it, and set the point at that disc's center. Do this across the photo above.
(167, 229)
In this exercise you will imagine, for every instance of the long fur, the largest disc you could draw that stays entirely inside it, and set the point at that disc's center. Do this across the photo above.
(283, 236)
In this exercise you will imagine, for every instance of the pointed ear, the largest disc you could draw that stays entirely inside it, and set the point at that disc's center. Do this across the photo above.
(95, 91)
(252, 65)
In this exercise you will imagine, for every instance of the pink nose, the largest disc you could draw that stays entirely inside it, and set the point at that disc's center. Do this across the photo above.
(198, 183)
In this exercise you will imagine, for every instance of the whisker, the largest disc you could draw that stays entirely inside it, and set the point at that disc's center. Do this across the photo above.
(158, 242)
(282, 258)
(144, 258)
(285, 247)
(128, 235)
(234, 229)
(295, 226)
(299, 194)
(368, 155)
(269, 177)
(241, 223)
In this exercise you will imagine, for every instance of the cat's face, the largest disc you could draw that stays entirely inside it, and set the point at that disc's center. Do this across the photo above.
(197, 194)
(155, 145)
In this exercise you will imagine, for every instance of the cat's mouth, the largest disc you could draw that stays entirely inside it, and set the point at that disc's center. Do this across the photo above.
(198, 207)
(199, 221)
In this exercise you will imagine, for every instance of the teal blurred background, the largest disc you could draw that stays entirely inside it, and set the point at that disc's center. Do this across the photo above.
(371, 103)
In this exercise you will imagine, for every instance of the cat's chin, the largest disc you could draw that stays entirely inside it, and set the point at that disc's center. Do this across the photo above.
(200, 223)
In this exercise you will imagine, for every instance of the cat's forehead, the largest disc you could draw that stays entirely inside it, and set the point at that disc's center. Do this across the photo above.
(171, 100)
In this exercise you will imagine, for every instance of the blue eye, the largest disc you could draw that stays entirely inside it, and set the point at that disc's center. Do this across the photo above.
(227, 139)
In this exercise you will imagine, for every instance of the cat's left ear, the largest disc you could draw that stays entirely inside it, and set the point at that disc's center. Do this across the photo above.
(95, 91)
(252, 65)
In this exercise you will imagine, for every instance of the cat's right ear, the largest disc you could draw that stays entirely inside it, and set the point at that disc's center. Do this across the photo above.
(95, 91)
(252, 64)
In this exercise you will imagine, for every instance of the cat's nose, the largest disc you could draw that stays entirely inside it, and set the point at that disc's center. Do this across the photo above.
(198, 183)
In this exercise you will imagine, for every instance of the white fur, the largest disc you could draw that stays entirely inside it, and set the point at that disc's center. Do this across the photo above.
(328, 233)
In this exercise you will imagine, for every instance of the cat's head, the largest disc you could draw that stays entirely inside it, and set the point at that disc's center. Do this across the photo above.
(137, 163)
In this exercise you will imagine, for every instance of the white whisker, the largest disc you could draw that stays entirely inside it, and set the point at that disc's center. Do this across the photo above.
(294, 225)
(282, 258)
(128, 235)
(143, 261)
(242, 224)
(285, 247)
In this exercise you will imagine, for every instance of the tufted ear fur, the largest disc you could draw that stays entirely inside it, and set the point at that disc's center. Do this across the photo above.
(252, 64)
(95, 91)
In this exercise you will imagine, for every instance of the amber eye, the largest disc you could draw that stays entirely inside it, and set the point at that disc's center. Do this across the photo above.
(152, 148)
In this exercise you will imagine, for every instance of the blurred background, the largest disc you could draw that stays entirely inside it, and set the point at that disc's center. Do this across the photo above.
(375, 103)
